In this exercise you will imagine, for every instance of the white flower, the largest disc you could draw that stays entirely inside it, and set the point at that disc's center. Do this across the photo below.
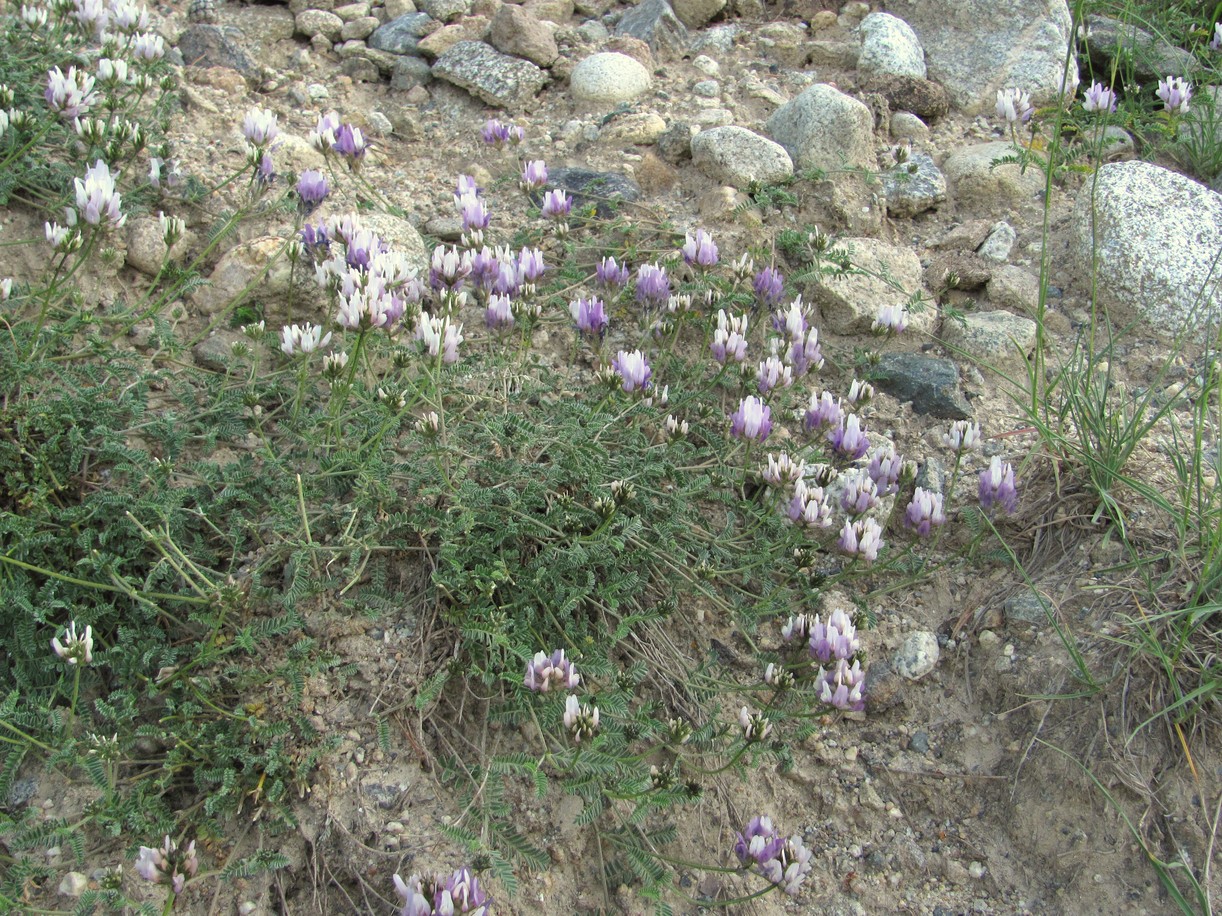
(1014, 105)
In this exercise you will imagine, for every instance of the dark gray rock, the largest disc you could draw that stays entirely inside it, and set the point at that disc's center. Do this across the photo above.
(655, 23)
(495, 78)
(1025, 607)
(587, 187)
(214, 46)
(675, 143)
(931, 384)
(402, 35)
(914, 186)
(909, 93)
(410, 72)
(1108, 40)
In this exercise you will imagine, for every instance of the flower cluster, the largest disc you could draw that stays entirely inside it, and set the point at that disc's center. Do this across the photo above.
(924, 512)
(168, 864)
(752, 420)
(1174, 92)
(1099, 98)
(784, 861)
(997, 488)
(69, 94)
(633, 371)
(458, 895)
(331, 135)
(580, 720)
(497, 134)
(1014, 105)
(700, 250)
(544, 672)
(373, 285)
(861, 538)
(730, 338)
(835, 647)
(75, 649)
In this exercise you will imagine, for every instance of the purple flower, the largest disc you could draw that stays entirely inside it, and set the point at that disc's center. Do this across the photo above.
(730, 338)
(449, 267)
(806, 354)
(891, 319)
(652, 285)
(809, 506)
(860, 493)
(842, 686)
(796, 627)
(924, 512)
(1174, 91)
(168, 864)
(848, 438)
(1014, 105)
(1215, 43)
(312, 189)
(964, 436)
(315, 241)
(823, 411)
(498, 316)
(792, 321)
(861, 538)
(759, 842)
(495, 133)
(700, 250)
(752, 420)
(350, 143)
(769, 287)
(260, 127)
(467, 896)
(783, 470)
(609, 274)
(534, 174)
(440, 337)
(1099, 98)
(97, 200)
(884, 469)
(633, 370)
(544, 672)
(265, 174)
(836, 639)
(466, 187)
(590, 315)
(530, 265)
(474, 213)
(997, 486)
(772, 373)
(557, 205)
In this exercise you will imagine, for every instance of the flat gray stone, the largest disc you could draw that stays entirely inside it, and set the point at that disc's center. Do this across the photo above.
(975, 47)
(997, 339)
(214, 46)
(495, 78)
(998, 243)
(410, 72)
(402, 35)
(318, 22)
(1015, 289)
(655, 23)
(823, 128)
(930, 383)
(737, 156)
(917, 656)
(976, 181)
(888, 275)
(888, 45)
(914, 186)
(1153, 235)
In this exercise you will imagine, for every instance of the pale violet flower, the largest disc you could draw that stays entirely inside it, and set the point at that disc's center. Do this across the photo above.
(69, 94)
(1174, 92)
(963, 436)
(1099, 98)
(1014, 105)
(260, 126)
(891, 319)
(700, 250)
(1215, 43)
(997, 486)
(97, 201)
(633, 370)
(302, 338)
(752, 420)
(545, 672)
(581, 721)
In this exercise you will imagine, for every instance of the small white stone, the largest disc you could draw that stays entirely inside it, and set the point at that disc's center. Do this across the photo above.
(73, 884)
